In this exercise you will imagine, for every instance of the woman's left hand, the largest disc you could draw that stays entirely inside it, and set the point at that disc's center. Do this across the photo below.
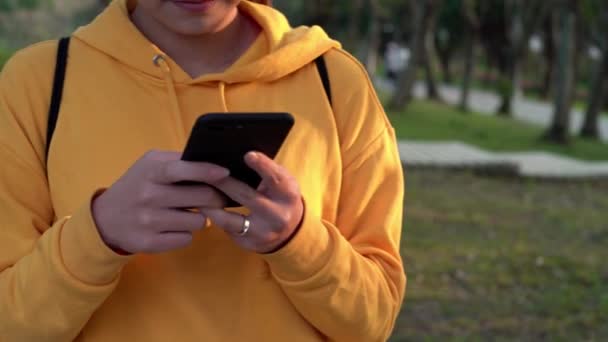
(276, 207)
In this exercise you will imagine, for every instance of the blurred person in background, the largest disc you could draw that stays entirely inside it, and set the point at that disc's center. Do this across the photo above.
(93, 245)
(396, 58)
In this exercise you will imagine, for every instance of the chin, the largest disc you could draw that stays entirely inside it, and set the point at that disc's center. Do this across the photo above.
(192, 28)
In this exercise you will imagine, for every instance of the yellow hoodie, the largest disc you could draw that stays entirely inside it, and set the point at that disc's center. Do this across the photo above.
(341, 276)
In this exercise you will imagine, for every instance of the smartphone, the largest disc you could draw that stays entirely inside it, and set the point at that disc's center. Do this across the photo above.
(225, 138)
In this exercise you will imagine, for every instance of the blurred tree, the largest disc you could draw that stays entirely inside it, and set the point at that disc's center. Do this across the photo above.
(318, 12)
(423, 13)
(519, 20)
(471, 24)
(12, 9)
(596, 14)
(449, 35)
(373, 39)
(87, 13)
(493, 35)
(429, 53)
(353, 32)
(312, 12)
(7, 6)
(548, 55)
(565, 17)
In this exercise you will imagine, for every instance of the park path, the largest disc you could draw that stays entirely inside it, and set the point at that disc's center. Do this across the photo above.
(535, 112)
(524, 109)
(539, 165)
(530, 164)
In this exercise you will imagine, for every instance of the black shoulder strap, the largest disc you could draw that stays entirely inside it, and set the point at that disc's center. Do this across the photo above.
(60, 67)
(322, 68)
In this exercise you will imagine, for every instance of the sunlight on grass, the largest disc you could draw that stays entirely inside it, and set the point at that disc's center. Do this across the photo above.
(424, 120)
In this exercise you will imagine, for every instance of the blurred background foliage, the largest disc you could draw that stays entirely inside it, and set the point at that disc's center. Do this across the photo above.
(550, 49)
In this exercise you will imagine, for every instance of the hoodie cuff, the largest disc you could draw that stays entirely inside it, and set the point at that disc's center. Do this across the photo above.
(305, 255)
(85, 255)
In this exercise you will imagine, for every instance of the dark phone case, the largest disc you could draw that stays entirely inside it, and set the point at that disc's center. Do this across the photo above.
(224, 139)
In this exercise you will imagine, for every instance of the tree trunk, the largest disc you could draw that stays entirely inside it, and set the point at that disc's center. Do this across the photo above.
(579, 53)
(469, 60)
(472, 24)
(508, 89)
(353, 36)
(549, 55)
(487, 80)
(403, 95)
(319, 12)
(525, 15)
(429, 58)
(431, 84)
(445, 63)
(597, 91)
(371, 60)
(512, 84)
(559, 131)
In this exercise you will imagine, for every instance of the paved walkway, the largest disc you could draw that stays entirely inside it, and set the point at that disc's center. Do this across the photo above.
(527, 110)
(531, 111)
(526, 164)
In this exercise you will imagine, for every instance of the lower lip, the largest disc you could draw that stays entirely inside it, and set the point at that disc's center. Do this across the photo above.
(198, 7)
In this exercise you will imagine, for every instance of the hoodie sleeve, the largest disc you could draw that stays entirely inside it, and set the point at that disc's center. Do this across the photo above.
(52, 278)
(346, 277)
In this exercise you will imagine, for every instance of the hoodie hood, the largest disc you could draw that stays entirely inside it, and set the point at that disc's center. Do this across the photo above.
(288, 49)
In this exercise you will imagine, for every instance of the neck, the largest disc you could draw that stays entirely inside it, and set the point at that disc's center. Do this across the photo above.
(205, 53)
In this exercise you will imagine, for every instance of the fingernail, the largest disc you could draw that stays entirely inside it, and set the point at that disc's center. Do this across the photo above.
(253, 156)
(220, 172)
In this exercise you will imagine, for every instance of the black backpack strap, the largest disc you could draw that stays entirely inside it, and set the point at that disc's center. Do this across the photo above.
(58, 81)
(322, 68)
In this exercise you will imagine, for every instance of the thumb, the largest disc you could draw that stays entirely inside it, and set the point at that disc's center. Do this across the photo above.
(270, 172)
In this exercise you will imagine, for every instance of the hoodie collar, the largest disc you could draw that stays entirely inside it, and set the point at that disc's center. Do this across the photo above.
(113, 34)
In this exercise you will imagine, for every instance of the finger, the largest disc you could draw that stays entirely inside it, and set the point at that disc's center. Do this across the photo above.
(162, 156)
(172, 220)
(245, 195)
(177, 171)
(190, 196)
(277, 183)
(231, 223)
(271, 173)
(164, 242)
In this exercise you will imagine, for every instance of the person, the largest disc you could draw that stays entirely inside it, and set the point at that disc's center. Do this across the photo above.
(397, 58)
(93, 245)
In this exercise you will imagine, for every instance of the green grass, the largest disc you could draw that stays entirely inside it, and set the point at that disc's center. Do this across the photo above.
(424, 120)
(582, 106)
(503, 260)
(579, 104)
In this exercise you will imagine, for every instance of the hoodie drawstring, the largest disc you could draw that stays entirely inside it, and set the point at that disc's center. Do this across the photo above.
(222, 89)
(160, 61)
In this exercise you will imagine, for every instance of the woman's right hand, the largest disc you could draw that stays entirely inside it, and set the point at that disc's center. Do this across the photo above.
(143, 211)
